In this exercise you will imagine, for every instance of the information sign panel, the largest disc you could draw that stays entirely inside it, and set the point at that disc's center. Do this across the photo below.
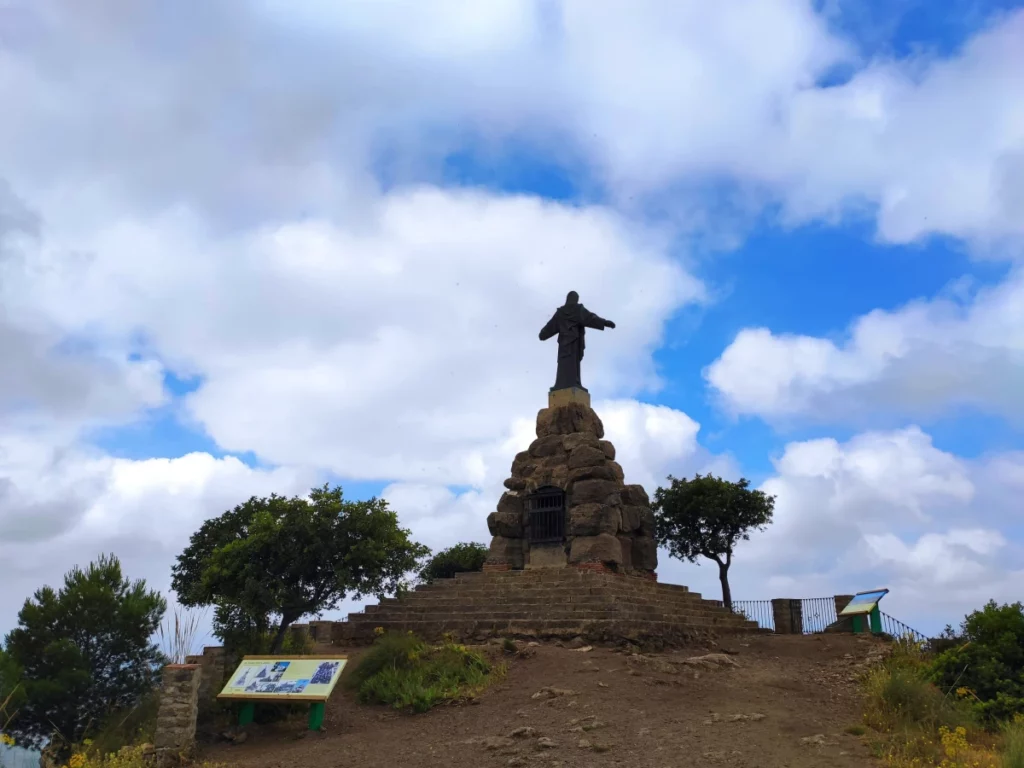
(290, 678)
(864, 603)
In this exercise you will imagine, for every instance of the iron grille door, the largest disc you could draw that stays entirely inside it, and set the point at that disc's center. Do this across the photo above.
(547, 515)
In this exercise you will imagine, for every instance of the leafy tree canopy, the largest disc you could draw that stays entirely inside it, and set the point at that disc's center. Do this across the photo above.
(987, 660)
(83, 652)
(462, 558)
(707, 516)
(294, 557)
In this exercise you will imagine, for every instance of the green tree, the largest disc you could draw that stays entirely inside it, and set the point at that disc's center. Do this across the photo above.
(988, 660)
(290, 558)
(84, 651)
(707, 516)
(462, 558)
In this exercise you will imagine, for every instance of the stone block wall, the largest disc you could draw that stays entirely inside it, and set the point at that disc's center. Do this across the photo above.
(842, 623)
(175, 736)
(788, 616)
(608, 524)
(214, 663)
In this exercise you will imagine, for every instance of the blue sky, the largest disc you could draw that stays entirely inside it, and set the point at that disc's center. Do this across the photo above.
(327, 258)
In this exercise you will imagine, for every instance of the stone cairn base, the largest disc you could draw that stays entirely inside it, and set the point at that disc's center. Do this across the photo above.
(545, 604)
(609, 525)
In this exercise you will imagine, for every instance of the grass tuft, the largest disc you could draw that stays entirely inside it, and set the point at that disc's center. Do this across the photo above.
(178, 633)
(404, 672)
(1013, 744)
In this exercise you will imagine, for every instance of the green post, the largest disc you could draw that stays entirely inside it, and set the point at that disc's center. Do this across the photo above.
(316, 715)
(246, 713)
(876, 621)
(858, 624)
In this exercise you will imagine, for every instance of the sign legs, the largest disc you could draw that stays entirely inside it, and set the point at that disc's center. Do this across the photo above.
(245, 714)
(316, 715)
(876, 621)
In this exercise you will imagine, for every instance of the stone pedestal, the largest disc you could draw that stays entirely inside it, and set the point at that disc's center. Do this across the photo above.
(547, 556)
(608, 525)
(559, 397)
(788, 616)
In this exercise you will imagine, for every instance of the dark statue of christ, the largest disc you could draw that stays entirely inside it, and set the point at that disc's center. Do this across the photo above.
(570, 323)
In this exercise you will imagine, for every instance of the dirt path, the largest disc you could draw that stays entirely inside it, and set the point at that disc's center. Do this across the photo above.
(794, 695)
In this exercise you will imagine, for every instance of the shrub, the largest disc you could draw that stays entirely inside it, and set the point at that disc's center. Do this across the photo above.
(919, 723)
(901, 698)
(402, 671)
(126, 757)
(462, 558)
(127, 728)
(988, 663)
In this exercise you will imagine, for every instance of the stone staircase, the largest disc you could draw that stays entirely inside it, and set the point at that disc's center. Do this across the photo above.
(547, 603)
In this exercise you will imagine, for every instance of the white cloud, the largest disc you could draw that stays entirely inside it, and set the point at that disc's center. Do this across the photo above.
(63, 505)
(394, 352)
(46, 372)
(885, 509)
(282, 109)
(925, 358)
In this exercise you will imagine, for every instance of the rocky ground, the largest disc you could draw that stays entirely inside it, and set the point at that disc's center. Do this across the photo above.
(757, 702)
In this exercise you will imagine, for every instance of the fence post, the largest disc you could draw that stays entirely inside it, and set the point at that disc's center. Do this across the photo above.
(175, 735)
(788, 616)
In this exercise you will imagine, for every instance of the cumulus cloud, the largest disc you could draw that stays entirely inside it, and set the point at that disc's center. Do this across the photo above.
(395, 352)
(884, 509)
(46, 373)
(279, 109)
(61, 505)
(925, 358)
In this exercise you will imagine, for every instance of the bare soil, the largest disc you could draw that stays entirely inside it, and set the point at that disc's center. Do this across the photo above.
(786, 702)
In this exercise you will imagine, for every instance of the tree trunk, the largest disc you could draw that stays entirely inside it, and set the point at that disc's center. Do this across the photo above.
(275, 646)
(723, 576)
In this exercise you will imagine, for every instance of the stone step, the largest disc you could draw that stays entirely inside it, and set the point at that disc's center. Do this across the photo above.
(553, 587)
(544, 598)
(550, 576)
(496, 614)
(516, 612)
(455, 606)
(437, 627)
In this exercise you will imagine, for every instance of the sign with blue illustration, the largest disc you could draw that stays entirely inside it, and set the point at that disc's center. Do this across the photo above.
(864, 602)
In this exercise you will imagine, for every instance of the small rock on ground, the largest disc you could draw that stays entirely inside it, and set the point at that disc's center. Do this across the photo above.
(548, 692)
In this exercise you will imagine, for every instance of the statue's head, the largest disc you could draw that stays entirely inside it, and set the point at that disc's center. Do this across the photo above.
(572, 298)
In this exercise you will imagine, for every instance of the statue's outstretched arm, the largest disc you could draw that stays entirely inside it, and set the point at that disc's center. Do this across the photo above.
(550, 329)
(590, 320)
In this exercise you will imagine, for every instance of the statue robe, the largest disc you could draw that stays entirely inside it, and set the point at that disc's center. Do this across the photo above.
(570, 323)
